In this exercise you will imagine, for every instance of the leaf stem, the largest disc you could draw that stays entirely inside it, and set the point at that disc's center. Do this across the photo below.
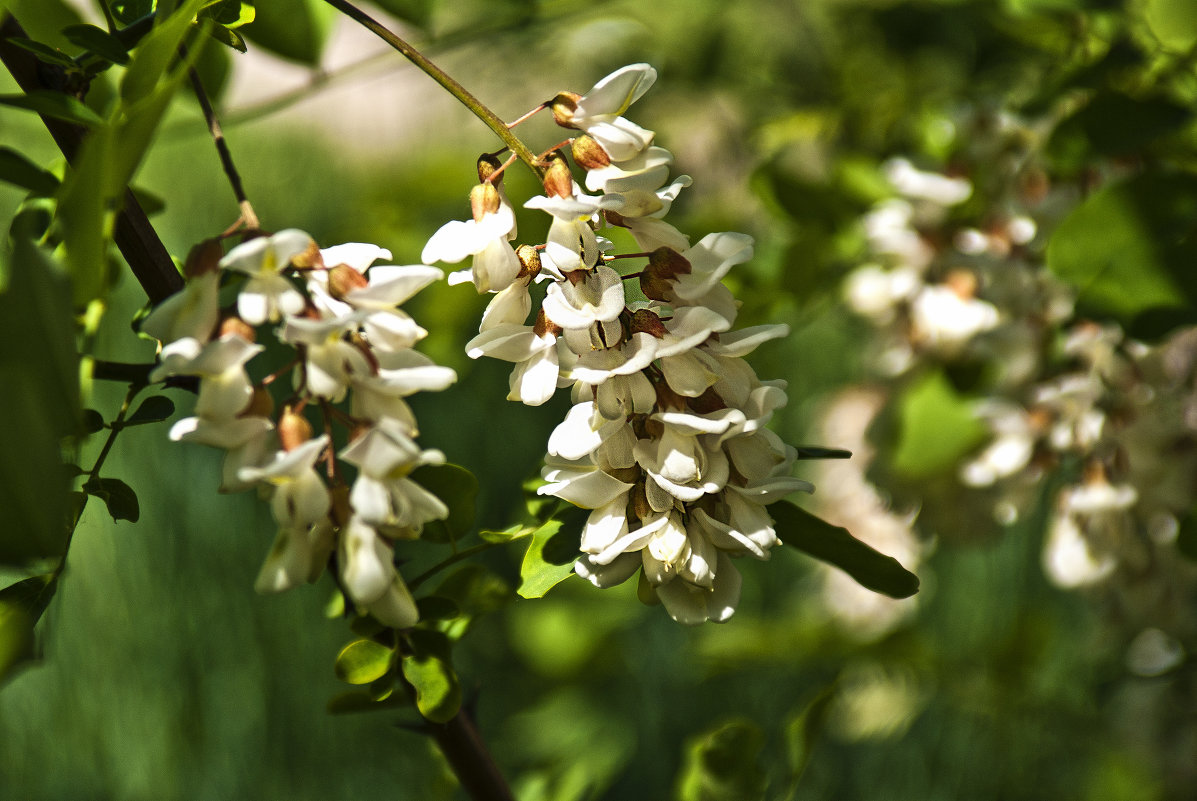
(448, 561)
(454, 88)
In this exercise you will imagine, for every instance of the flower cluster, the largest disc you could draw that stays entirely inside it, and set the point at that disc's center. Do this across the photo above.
(666, 441)
(340, 315)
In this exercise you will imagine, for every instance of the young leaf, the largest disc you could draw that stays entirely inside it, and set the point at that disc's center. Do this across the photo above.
(54, 104)
(45, 53)
(154, 409)
(363, 661)
(118, 496)
(818, 538)
(724, 764)
(430, 671)
(801, 733)
(97, 41)
(540, 572)
(20, 171)
(229, 13)
(937, 428)
(129, 11)
(227, 37)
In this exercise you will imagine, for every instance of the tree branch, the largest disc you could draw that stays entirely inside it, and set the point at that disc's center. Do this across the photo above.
(136, 239)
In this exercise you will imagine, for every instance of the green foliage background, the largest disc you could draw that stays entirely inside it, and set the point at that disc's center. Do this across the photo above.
(164, 676)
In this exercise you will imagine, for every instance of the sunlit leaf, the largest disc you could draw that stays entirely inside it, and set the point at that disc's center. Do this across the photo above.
(154, 409)
(226, 37)
(936, 428)
(1173, 22)
(20, 171)
(21, 606)
(429, 670)
(543, 567)
(1131, 246)
(118, 496)
(294, 29)
(363, 661)
(229, 13)
(54, 104)
(507, 534)
(801, 733)
(354, 701)
(724, 765)
(870, 568)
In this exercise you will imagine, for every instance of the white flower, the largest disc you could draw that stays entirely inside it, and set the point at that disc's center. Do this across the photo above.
(536, 352)
(330, 361)
(915, 183)
(943, 319)
(571, 243)
(192, 312)
(597, 297)
(268, 293)
(369, 575)
(598, 111)
(300, 497)
(383, 495)
(495, 264)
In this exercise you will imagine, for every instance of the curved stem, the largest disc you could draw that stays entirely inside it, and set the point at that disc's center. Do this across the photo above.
(444, 79)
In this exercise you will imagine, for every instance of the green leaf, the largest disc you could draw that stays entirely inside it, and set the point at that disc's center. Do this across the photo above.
(118, 496)
(437, 608)
(1114, 124)
(801, 733)
(416, 12)
(229, 13)
(1186, 537)
(226, 37)
(508, 534)
(936, 428)
(429, 670)
(21, 606)
(363, 661)
(40, 376)
(129, 11)
(294, 29)
(1131, 246)
(475, 589)
(543, 567)
(724, 764)
(816, 537)
(98, 42)
(54, 104)
(93, 421)
(1173, 22)
(45, 53)
(20, 171)
(457, 488)
(154, 409)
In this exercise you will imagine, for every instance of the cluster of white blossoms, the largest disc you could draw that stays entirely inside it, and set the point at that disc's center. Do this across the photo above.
(351, 341)
(666, 442)
(1060, 393)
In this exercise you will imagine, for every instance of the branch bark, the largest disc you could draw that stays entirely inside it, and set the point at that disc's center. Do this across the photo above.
(134, 236)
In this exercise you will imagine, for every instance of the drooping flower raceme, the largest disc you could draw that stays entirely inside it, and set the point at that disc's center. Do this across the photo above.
(340, 312)
(666, 442)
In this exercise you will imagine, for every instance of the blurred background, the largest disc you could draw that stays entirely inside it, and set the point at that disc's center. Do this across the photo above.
(163, 674)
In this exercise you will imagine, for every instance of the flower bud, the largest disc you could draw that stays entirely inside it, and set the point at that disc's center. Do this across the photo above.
(310, 259)
(529, 262)
(293, 429)
(203, 257)
(664, 266)
(544, 325)
(235, 325)
(667, 398)
(640, 505)
(488, 169)
(558, 180)
(343, 279)
(646, 321)
(709, 401)
(588, 153)
(484, 199)
(563, 107)
(261, 404)
(341, 510)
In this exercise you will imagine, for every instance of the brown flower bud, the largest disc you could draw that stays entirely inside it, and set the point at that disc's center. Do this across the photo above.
(260, 405)
(310, 259)
(963, 284)
(563, 107)
(235, 325)
(484, 199)
(529, 261)
(709, 401)
(589, 154)
(341, 509)
(640, 505)
(544, 326)
(293, 429)
(646, 321)
(343, 279)
(667, 398)
(488, 166)
(558, 180)
(664, 266)
(204, 257)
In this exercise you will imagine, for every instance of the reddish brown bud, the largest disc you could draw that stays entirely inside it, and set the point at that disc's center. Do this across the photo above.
(484, 199)
(488, 166)
(260, 405)
(640, 505)
(544, 326)
(615, 218)
(343, 279)
(293, 429)
(563, 107)
(668, 399)
(646, 321)
(310, 259)
(589, 154)
(709, 401)
(963, 284)
(203, 257)
(235, 325)
(558, 180)
(529, 261)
